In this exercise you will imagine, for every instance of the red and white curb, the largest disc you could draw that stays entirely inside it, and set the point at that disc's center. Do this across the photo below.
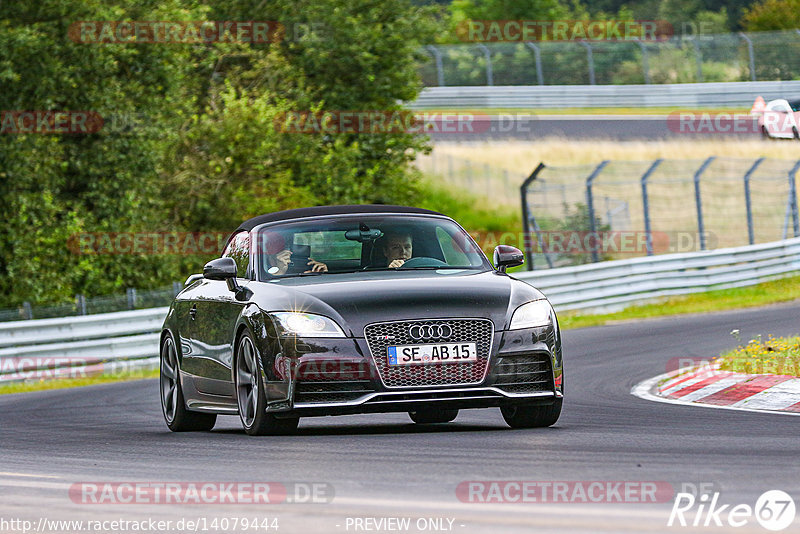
(708, 386)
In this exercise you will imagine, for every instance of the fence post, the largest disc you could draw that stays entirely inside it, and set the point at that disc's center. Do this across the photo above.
(698, 58)
(437, 58)
(537, 55)
(81, 301)
(646, 206)
(793, 198)
(748, 204)
(590, 207)
(701, 227)
(590, 59)
(27, 310)
(526, 220)
(750, 53)
(645, 62)
(488, 55)
(131, 294)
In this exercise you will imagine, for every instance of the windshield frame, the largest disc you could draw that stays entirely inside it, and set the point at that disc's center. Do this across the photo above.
(255, 256)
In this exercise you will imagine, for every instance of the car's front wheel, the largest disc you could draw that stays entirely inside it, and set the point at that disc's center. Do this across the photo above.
(173, 405)
(250, 394)
(430, 416)
(532, 416)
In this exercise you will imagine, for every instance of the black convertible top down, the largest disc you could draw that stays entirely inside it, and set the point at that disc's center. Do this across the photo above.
(300, 213)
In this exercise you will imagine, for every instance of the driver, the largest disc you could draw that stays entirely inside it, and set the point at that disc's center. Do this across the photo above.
(397, 249)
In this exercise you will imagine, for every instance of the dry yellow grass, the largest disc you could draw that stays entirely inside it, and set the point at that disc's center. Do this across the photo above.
(495, 170)
(525, 155)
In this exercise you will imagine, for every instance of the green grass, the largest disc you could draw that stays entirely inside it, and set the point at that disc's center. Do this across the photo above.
(783, 290)
(774, 356)
(62, 383)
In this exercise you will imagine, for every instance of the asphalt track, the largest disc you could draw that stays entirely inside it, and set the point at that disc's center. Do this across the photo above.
(384, 466)
(523, 127)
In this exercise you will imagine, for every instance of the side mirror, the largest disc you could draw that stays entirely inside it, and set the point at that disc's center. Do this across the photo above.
(225, 269)
(220, 269)
(506, 256)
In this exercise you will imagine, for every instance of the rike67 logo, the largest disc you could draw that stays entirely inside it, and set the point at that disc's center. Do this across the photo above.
(773, 510)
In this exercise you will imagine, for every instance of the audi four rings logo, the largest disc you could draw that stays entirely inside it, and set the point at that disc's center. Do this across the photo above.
(430, 331)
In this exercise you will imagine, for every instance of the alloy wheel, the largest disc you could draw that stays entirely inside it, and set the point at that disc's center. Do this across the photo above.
(169, 379)
(247, 381)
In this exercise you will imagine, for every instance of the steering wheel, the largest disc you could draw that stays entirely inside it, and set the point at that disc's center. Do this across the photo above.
(422, 261)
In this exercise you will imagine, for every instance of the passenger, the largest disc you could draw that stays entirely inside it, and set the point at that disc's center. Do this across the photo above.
(281, 261)
(279, 257)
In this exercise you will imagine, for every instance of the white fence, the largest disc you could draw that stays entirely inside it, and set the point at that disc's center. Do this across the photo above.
(108, 343)
(690, 95)
(131, 338)
(613, 285)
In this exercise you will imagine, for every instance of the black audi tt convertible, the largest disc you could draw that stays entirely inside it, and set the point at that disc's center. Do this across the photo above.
(358, 309)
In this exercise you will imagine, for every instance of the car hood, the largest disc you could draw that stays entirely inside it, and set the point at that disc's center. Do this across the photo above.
(358, 299)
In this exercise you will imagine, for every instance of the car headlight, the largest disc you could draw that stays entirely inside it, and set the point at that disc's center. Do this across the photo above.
(307, 324)
(532, 314)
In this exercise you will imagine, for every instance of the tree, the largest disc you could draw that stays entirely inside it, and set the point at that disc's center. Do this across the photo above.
(772, 15)
(189, 141)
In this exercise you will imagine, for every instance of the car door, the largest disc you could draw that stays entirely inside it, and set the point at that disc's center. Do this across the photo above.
(215, 316)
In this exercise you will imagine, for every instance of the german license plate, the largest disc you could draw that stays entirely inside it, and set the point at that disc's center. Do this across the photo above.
(432, 353)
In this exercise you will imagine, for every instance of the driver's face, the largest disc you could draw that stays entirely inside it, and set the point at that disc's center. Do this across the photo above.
(398, 248)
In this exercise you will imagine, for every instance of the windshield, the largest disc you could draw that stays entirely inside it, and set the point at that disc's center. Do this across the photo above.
(347, 244)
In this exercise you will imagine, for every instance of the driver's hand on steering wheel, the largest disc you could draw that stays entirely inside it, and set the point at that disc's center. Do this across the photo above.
(394, 264)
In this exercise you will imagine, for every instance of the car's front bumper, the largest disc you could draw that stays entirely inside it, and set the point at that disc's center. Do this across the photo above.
(339, 376)
(446, 398)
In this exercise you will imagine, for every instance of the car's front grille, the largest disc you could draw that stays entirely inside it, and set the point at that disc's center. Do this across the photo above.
(524, 373)
(331, 391)
(381, 335)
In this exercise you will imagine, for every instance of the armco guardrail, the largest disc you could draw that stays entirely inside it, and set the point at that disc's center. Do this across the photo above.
(615, 284)
(107, 343)
(132, 337)
(689, 95)
(63, 329)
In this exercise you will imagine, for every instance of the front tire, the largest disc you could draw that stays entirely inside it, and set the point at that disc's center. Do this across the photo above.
(432, 416)
(173, 404)
(250, 394)
(532, 416)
